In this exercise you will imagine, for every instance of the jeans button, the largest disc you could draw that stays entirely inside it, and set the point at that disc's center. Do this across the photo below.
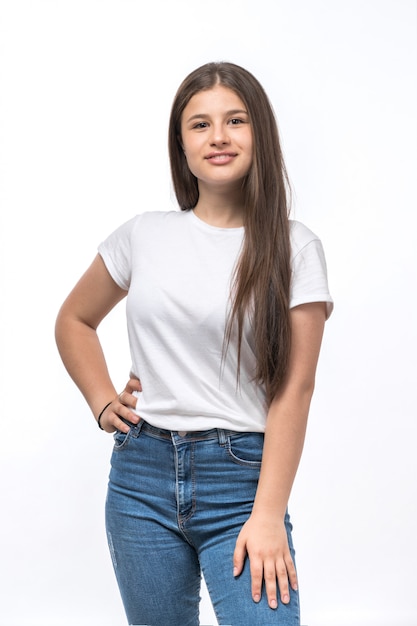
(182, 433)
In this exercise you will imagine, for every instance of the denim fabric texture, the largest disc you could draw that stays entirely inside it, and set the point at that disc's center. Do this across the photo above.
(176, 503)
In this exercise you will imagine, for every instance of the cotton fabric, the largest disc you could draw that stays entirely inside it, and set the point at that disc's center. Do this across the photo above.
(178, 270)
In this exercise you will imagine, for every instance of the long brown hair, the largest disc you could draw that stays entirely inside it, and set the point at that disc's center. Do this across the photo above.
(262, 277)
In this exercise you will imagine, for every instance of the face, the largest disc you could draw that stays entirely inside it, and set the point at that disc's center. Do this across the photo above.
(216, 136)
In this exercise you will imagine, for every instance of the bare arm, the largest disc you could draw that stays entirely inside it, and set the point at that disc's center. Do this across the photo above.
(89, 302)
(263, 537)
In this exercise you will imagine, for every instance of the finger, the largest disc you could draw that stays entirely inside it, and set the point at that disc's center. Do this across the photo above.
(270, 578)
(115, 422)
(282, 576)
(134, 384)
(121, 426)
(239, 556)
(126, 400)
(292, 573)
(256, 572)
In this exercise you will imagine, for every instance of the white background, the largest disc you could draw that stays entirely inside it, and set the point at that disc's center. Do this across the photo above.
(86, 87)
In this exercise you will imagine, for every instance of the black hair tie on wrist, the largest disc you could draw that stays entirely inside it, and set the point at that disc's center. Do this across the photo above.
(101, 414)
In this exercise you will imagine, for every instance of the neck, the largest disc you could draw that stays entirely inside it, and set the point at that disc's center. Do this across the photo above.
(220, 211)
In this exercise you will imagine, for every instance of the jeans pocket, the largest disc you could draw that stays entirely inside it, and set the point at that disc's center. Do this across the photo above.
(246, 449)
(121, 440)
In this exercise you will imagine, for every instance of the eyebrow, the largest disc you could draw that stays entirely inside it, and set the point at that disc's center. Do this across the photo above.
(231, 112)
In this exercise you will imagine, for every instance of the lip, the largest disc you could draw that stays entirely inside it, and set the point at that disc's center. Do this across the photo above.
(220, 158)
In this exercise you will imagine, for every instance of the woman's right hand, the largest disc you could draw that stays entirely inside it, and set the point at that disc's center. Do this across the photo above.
(121, 407)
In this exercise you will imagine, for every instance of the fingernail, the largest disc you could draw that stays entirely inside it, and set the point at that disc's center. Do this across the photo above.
(273, 604)
(286, 599)
(235, 571)
(256, 598)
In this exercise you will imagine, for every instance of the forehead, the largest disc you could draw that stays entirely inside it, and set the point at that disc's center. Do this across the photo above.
(216, 99)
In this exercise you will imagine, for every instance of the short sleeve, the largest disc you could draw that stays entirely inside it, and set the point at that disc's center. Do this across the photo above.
(116, 252)
(309, 270)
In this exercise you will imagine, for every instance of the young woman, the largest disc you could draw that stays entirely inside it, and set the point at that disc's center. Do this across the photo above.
(226, 304)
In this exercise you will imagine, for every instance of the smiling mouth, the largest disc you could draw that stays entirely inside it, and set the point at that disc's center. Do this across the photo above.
(221, 157)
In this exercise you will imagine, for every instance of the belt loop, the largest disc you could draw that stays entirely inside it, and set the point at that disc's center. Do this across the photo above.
(135, 430)
(222, 436)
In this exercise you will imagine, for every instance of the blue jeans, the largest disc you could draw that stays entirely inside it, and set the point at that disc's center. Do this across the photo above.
(176, 503)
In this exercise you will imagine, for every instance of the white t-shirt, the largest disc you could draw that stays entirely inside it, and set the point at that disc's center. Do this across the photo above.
(177, 270)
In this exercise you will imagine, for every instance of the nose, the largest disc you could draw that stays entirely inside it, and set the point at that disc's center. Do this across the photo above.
(219, 135)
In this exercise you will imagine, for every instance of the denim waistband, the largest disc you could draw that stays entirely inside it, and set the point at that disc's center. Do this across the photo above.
(220, 434)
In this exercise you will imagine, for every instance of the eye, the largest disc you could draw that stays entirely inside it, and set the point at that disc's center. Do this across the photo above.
(235, 121)
(200, 125)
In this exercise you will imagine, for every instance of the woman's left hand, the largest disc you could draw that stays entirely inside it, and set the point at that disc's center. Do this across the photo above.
(264, 541)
